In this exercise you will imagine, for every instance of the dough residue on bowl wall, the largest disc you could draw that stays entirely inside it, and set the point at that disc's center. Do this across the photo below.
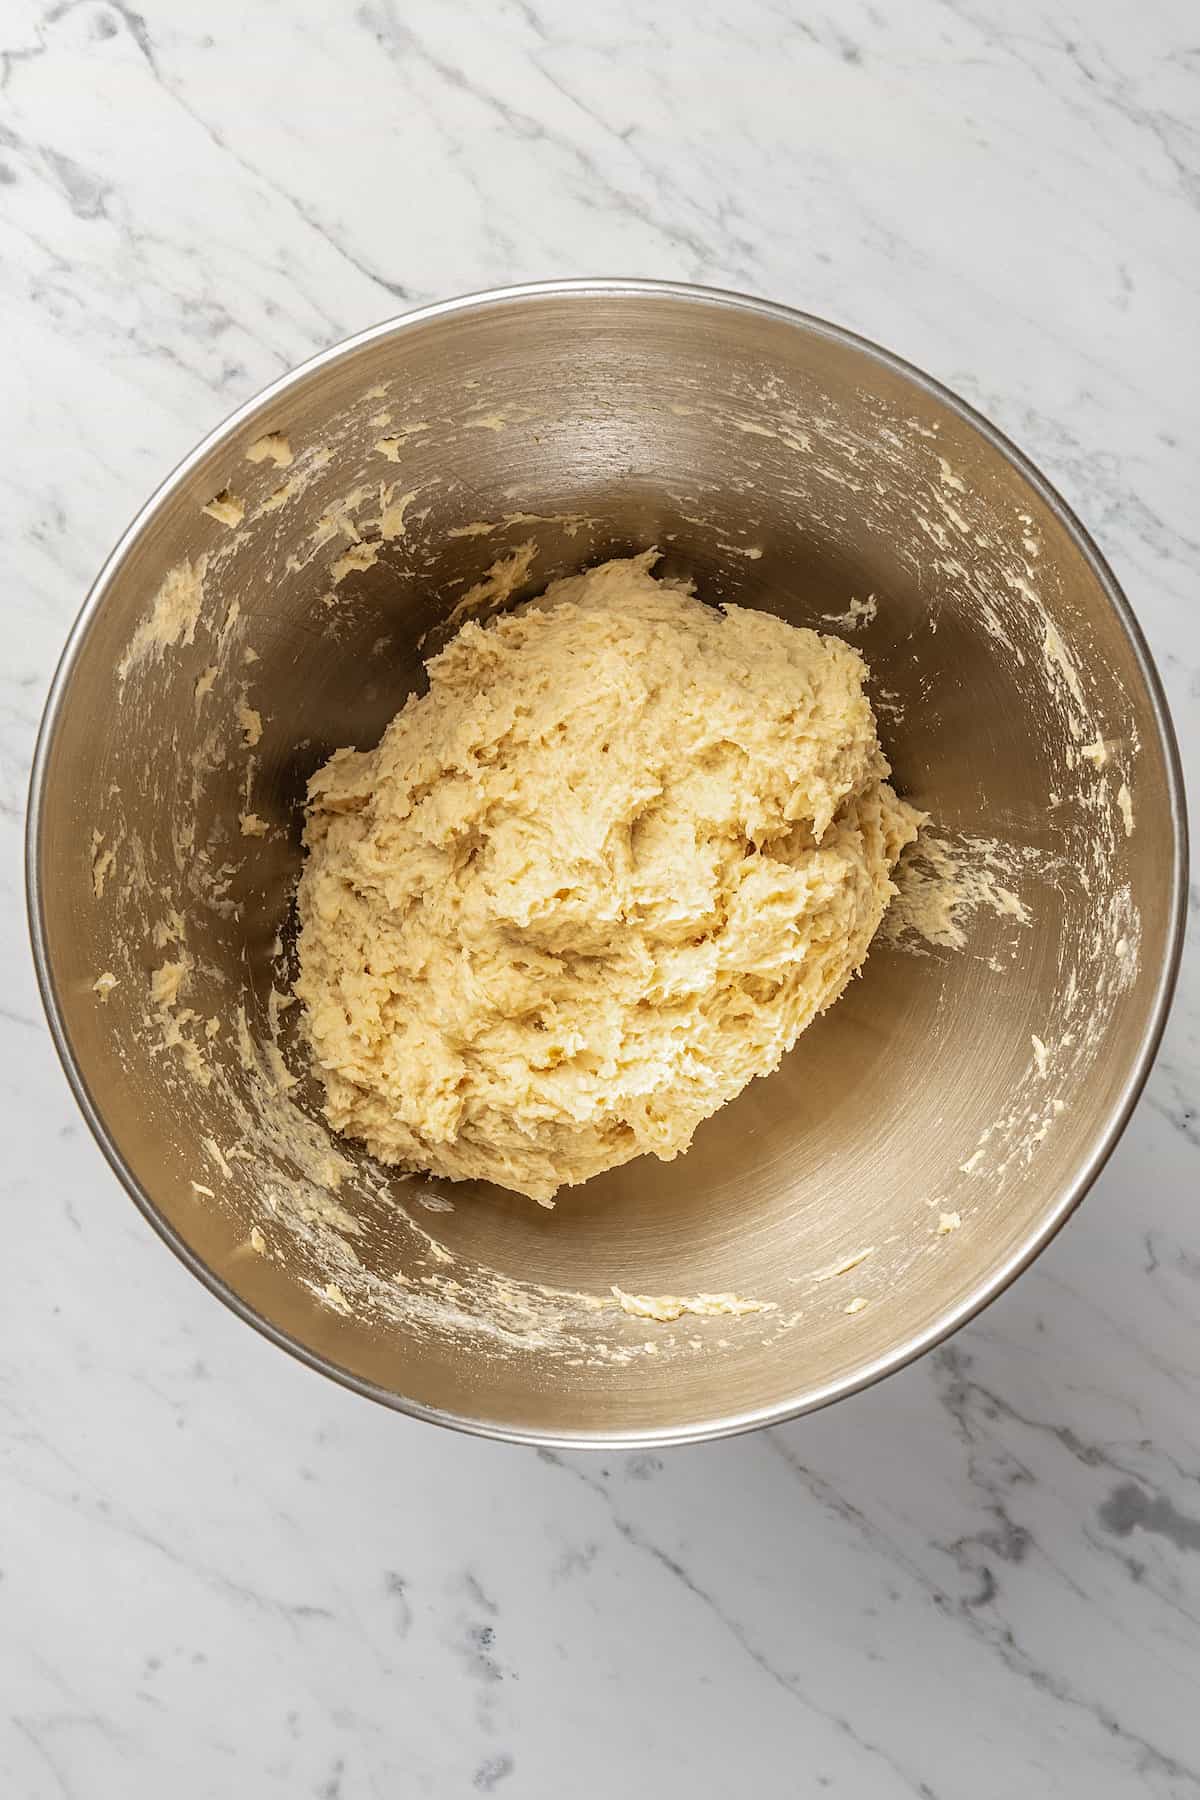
(304, 1192)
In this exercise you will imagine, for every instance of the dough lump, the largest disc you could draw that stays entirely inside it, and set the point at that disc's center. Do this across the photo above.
(597, 878)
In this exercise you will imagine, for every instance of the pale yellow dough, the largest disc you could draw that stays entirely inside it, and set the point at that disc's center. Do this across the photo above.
(593, 882)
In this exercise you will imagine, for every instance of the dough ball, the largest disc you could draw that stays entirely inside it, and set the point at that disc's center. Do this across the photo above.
(596, 879)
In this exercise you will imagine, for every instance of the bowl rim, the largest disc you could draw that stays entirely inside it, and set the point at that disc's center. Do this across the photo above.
(1106, 1137)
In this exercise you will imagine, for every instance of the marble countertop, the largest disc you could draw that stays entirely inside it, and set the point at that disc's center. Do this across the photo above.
(219, 1574)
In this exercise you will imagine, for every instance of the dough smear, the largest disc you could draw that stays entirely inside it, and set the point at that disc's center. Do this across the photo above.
(596, 879)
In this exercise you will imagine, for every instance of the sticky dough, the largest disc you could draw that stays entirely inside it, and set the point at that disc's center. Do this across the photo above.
(597, 878)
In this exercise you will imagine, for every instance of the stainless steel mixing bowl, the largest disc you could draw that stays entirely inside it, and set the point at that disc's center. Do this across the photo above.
(944, 1117)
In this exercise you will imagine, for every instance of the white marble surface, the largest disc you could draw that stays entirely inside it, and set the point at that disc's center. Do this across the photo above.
(218, 1573)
